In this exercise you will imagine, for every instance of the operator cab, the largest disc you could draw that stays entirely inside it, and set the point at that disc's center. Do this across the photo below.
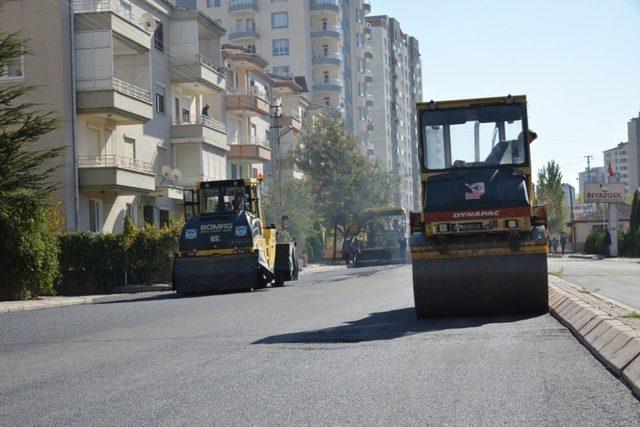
(475, 156)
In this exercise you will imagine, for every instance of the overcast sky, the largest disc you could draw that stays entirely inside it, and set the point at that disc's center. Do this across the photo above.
(578, 62)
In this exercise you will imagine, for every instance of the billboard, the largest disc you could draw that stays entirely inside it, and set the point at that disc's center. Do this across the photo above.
(603, 193)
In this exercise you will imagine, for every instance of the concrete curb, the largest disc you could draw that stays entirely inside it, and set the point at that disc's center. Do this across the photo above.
(615, 344)
(47, 302)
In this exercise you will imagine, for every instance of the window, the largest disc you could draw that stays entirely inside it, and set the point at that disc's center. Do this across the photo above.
(325, 77)
(95, 214)
(129, 148)
(148, 214)
(234, 171)
(279, 20)
(251, 48)
(160, 95)
(163, 217)
(158, 37)
(281, 47)
(327, 102)
(13, 71)
(282, 70)
(213, 3)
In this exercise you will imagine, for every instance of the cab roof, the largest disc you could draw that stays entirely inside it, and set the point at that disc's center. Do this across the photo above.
(229, 183)
(471, 102)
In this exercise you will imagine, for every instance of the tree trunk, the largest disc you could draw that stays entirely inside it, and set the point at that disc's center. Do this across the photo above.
(335, 241)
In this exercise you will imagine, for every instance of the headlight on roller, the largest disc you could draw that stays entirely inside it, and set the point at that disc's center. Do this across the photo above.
(511, 223)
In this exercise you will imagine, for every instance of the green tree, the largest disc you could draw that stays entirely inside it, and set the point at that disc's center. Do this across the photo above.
(21, 125)
(343, 182)
(635, 212)
(293, 198)
(549, 191)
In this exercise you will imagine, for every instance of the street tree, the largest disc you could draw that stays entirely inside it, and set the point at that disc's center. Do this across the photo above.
(635, 212)
(549, 191)
(21, 126)
(343, 182)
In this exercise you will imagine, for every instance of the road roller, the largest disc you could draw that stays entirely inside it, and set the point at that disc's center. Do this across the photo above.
(478, 244)
(224, 245)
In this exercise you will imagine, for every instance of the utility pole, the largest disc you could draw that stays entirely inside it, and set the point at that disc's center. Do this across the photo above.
(589, 167)
(573, 220)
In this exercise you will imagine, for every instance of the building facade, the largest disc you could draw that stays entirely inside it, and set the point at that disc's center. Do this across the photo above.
(396, 86)
(633, 152)
(618, 159)
(322, 40)
(130, 81)
(595, 175)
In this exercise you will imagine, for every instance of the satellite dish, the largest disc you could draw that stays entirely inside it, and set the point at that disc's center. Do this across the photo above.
(150, 23)
(177, 174)
(166, 171)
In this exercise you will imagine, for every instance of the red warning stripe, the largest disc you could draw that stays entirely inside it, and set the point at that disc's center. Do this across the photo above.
(477, 214)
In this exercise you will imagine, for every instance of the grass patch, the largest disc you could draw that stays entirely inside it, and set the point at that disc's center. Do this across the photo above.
(632, 315)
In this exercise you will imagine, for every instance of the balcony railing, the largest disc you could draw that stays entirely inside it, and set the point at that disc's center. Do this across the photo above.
(262, 142)
(249, 91)
(203, 60)
(207, 121)
(242, 4)
(329, 55)
(88, 6)
(113, 161)
(117, 85)
(325, 4)
(331, 28)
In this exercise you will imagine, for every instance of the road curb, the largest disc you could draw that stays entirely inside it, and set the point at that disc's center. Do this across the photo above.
(17, 306)
(615, 344)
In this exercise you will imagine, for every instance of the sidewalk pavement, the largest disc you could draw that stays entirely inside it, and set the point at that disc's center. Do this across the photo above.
(608, 328)
(63, 301)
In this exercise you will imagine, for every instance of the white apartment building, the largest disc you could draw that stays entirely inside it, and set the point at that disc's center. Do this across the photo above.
(130, 80)
(322, 40)
(633, 149)
(395, 87)
(618, 158)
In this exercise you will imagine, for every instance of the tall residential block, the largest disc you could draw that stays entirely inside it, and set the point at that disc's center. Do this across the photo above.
(396, 86)
(633, 149)
(618, 159)
(322, 40)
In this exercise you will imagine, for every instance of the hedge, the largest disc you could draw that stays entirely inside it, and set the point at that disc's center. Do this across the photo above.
(28, 246)
(98, 263)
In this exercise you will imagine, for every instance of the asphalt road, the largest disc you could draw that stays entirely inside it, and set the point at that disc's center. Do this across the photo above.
(615, 278)
(338, 347)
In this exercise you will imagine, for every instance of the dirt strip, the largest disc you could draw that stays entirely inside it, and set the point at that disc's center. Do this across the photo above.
(606, 327)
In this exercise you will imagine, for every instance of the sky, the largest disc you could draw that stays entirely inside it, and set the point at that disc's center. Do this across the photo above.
(578, 62)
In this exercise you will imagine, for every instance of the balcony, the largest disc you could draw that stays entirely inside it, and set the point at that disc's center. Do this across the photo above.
(199, 73)
(244, 32)
(370, 126)
(293, 121)
(255, 151)
(326, 31)
(114, 99)
(368, 75)
(367, 31)
(369, 102)
(368, 51)
(248, 102)
(236, 6)
(325, 6)
(366, 7)
(328, 85)
(326, 58)
(115, 173)
(199, 129)
(110, 15)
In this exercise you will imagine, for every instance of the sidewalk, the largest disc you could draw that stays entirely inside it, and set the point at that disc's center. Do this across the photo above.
(62, 301)
(608, 328)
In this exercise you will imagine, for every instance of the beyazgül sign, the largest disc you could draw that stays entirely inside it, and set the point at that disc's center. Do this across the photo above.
(604, 193)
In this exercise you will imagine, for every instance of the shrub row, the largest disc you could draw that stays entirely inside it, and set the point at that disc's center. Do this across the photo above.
(97, 263)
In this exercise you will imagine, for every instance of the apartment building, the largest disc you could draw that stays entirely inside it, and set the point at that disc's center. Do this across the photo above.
(141, 91)
(595, 175)
(633, 152)
(395, 89)
(322, 40)
(618, 158)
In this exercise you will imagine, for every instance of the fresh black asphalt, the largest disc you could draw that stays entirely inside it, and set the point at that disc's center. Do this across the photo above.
(338, 347)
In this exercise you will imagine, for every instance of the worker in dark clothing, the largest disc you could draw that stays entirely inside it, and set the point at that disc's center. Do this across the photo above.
(205, 110)
(607, 243)
(563, 242)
